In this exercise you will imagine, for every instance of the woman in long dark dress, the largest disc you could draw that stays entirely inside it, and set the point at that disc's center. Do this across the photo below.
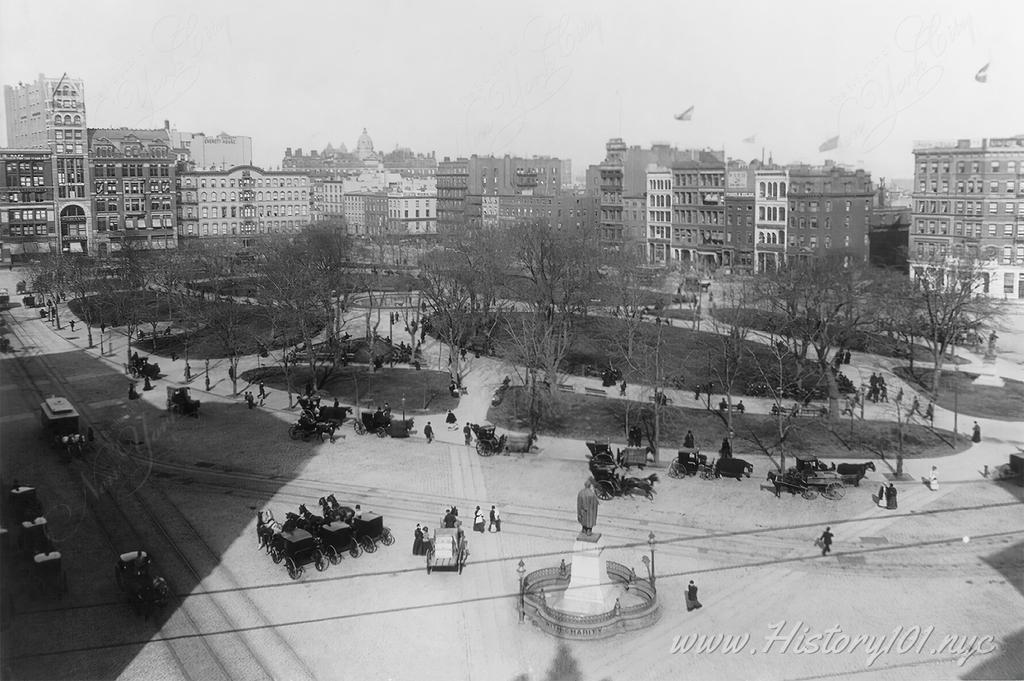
(691, 597)
(890, 496)
(417, 544)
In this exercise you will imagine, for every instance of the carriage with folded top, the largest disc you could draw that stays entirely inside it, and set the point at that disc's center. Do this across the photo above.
(134, 576)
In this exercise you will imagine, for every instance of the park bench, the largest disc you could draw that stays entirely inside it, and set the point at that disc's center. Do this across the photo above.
(732, 408)
(802, 412)
(567, 387)
(596, 391)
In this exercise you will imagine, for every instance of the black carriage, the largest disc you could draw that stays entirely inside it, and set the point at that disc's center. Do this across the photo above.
(34, 537)
(607, 483)
(179, 401)
(297, 548)
(690, 462)
(336, 538)
(487, 441)
(140, 367)
(49, 574)
(58, 417)
(334, 415)
(369, 529)
(596, 448)
(447, 550)
(372, 422)
(146, 591)
(306, 428)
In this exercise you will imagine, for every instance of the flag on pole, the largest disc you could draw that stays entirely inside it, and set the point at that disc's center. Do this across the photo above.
(751, 139)
(686, 115)
(829, 144)
(982, 75)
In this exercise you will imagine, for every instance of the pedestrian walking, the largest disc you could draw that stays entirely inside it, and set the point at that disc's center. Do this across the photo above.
(899, 395)
(846, 358)
(428, 432)
(688, 441)
(825, 541)
(915, 406)
(622, 389)
(263, 392)
(72, 323)
(103, 327)
(933, 480)
(890, 497)
(691, 597)
(133, 394)
(478, 520)
(495, 521)
(417, 543)
(468, 432)
(249, 399)
(881, 495)
(929, 413)
(976, 437)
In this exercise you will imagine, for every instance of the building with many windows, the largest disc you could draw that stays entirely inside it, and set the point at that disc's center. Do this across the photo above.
(209, 153)
(28, 224)
(50, 114)
(830, 210)
(134, 201)
(698, 212)
(968, 205)
(771, 203)
(739, 213)
(452, 186)
(659, 216)
(410, 214)
(241, 204)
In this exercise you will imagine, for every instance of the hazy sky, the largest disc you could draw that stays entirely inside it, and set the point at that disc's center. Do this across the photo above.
(539, 77)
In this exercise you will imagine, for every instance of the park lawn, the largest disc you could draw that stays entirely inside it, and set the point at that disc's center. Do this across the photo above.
(424, 391)
(587, 418)
(687, 356)
(957, 390)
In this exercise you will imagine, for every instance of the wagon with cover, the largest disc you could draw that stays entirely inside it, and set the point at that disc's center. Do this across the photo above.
(447, 550)
(809, 477)
(369, 529)
(297, 549)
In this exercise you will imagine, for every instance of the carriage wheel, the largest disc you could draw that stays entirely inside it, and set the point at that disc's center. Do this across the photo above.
(602, 491)
(276, 555)
(673, 471)
(809, 493)
(381, 433)
(320, 561)
(333, 555)
(294, 433)
(294, 570)
(369, 545)
(387, 538)
(834, 491)
(359, 427)
(482, 449)
(356, 550)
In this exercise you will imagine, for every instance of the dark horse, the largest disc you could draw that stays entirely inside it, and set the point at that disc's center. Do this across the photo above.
(855, 471)
(335, 511)
(643, 486)
(311, 522)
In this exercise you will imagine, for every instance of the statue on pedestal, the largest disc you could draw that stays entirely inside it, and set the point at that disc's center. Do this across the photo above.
(586, 508)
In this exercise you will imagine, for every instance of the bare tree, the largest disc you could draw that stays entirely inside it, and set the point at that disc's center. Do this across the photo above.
(727, 347)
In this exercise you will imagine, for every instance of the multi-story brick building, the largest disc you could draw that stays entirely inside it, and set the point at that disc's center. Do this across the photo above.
(739, 214)
(698, 212)
(241, 204)
(830, 210)
(333, 197)
(355, 211)
(134, 189)
(28, 224)
(50, 114)
(622, 175)
(969, 206)
(452, 185)
(659, 216)
(411, 214)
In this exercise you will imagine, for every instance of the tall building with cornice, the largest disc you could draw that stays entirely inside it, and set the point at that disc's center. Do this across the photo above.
(49, 113)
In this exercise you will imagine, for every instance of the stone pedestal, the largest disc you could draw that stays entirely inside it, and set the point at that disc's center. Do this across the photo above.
(589, 591)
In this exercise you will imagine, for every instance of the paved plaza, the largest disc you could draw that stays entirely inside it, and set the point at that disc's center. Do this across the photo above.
(933, 589)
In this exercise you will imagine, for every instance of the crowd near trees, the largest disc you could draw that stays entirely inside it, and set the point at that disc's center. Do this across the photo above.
(527, 292)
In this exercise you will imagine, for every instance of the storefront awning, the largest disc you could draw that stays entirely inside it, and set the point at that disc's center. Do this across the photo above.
(76, 247)
(35, 247)
(14, 249)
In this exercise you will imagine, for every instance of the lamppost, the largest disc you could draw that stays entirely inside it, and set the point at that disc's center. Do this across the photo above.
(207, 375)
(403, 406)
(521, 571)
(650, 542)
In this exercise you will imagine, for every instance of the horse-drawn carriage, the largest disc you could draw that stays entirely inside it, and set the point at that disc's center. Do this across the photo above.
(49, 572)
(60, 423)
(447, 550)
(307, 428)
(487, 441)
(336, 538)
(297, 548)
(634, 456)
(382, 424)
(24, 503)
(146, 591)
(809, 477)
(369, 529)
(179, 401)
(609, 483)
(690, 461)
(139, 367)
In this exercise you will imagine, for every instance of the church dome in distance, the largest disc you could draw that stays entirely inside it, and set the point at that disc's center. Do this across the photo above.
(364, 147)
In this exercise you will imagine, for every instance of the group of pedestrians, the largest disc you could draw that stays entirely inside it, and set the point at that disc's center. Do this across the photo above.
(450, 520)
(453, 424)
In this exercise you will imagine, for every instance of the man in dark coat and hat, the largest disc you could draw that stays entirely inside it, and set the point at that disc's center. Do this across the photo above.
(586, 507)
